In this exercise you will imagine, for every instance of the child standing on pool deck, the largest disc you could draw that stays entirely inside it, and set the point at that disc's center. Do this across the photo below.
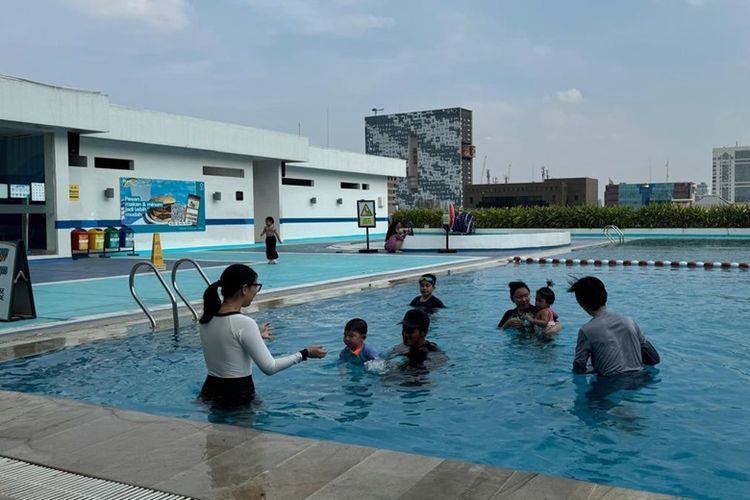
(545, 316)
(272, 236)
(356, 352)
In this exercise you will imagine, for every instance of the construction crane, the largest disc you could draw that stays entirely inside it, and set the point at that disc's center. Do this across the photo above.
(481, 173)
(545, 173)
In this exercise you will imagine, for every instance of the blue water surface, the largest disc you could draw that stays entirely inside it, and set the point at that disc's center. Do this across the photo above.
(500, 400)
(696, 249)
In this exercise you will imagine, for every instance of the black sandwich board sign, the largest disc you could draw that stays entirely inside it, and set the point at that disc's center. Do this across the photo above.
(16, 297)
(366, 219)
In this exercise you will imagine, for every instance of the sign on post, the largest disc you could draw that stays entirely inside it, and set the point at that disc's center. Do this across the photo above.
(366, 213)
(16, 296)
(366, 219)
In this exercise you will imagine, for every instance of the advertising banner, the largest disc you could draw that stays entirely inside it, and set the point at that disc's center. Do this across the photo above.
(158, 205)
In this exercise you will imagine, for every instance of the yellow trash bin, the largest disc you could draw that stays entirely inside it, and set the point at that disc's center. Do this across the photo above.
(96, 239)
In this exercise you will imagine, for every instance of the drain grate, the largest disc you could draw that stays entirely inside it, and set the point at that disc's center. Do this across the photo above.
(22, 480)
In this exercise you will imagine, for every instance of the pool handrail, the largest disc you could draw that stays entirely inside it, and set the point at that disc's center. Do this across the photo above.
(138, 300)
(614, 234)
(177, 289)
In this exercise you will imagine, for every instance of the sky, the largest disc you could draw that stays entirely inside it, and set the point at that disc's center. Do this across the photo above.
(609, 89)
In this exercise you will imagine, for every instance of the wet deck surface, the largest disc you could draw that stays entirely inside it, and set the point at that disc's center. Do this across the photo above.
(214, 461)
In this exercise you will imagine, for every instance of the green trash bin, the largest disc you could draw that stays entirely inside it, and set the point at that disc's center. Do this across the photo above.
(111, 238)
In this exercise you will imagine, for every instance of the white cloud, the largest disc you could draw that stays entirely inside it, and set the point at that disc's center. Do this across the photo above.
(320, 17)
(570, 96)
(164, 15)
(696, 3)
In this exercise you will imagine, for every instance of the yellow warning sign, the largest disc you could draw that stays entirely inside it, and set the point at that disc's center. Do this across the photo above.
(157, 256)
(74, 192)
(366, 213)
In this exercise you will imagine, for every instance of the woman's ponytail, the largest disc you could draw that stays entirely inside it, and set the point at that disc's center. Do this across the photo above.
(211, 302)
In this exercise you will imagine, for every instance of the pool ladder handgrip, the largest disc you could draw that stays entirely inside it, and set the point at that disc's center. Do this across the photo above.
(138, 300)
(614, 234)
(177, 289)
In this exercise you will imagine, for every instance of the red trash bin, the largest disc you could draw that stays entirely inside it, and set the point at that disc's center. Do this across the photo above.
(79, 240)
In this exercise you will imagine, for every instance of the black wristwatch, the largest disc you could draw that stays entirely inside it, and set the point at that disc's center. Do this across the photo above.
(305, 354)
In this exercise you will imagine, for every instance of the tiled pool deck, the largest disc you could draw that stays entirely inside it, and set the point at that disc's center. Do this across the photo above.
(205, 460)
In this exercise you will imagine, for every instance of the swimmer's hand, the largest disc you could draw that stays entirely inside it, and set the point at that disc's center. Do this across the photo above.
(513, 323)
(316, 351)
(551, 330)
(265, 331)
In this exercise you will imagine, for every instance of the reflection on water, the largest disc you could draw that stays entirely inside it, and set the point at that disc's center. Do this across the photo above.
(244, 415)
(614, 401)
(357, 388)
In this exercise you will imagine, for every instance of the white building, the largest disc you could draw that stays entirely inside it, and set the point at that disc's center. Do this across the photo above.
(69, 158)
(731, 174)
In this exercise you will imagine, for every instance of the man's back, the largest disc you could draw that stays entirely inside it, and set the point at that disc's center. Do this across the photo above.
(614, 343)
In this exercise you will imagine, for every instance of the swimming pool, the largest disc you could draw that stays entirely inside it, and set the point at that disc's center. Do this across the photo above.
(703, 249)
(501, 400)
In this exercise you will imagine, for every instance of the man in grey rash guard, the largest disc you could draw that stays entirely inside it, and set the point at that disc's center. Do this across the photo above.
(613, 342)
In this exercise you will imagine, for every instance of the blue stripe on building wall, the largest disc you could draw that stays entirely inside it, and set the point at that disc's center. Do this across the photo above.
(71, 224)
(315, 220)
(229, 222)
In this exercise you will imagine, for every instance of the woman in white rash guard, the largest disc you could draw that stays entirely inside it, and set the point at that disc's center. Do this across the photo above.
(232, 341)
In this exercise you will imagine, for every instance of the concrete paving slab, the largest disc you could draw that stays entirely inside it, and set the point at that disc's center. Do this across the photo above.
(384, 474)
(303, 474)
(215, 461)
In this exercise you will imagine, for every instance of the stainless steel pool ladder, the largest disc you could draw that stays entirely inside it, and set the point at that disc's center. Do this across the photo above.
(614, 234)
(150, 316)
(177, 289)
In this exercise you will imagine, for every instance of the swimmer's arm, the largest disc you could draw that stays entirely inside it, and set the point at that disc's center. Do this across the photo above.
(511, 323)
(649, 354)
(553, 329)
(583, 352)
(538, 321)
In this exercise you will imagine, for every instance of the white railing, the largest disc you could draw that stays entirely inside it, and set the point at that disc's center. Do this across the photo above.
(614, 234)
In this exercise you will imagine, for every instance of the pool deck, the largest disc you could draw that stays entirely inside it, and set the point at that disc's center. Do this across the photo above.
(214, 461)
(205, 460)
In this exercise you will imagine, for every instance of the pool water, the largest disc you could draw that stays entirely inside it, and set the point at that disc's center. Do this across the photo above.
(500, 400)
(706, 250)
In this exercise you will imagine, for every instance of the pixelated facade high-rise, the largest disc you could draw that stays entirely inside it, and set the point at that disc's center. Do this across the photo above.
(438, 148)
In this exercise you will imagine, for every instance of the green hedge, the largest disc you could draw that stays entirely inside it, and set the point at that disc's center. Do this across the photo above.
(650, 216)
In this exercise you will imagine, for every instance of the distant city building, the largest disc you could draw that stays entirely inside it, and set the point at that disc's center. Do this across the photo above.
(570, 191)
(639, 195)
(701, 190)
(437, 147)
(731, 174)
